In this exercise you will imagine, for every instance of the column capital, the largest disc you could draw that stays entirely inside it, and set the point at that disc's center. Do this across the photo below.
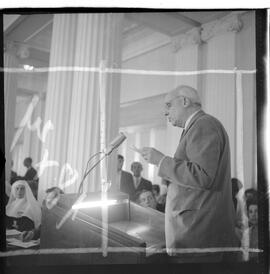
(10, 47)
(192, 37)
(230, 23)
(19, 50)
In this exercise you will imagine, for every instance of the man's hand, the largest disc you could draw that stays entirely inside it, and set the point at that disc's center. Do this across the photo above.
(152, 155)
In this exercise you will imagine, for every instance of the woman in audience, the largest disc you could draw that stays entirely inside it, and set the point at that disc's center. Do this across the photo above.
(250, 194)
(250, 232)
(252, 210)
(22, 211)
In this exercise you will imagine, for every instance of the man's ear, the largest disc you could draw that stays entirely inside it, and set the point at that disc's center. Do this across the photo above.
(186, 102)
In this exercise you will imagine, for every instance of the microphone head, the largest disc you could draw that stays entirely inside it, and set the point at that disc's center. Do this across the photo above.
(121, 137)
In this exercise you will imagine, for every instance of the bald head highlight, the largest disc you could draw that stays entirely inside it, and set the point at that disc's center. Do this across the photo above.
(187, 92)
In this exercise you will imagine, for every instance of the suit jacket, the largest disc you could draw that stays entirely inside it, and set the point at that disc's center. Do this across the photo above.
(199, 208)
(31, 174)
(32, 179)
(126, 182)
(127, 185)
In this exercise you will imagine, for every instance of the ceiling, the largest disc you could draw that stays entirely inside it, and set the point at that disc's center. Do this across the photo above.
(35, 30)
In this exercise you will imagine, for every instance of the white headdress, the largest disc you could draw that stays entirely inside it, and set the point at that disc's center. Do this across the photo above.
(27, 206)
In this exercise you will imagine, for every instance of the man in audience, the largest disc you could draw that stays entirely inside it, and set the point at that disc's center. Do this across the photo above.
(124, 178)
(146, 198)
(139, 182)
(30, 176)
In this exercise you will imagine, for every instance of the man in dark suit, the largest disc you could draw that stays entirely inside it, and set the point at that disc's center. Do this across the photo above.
(125, 179)
(30, 176)
(199, 209)
(131, 184)
(139, 183)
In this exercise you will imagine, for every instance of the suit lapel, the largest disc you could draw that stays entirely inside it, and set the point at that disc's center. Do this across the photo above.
(197, 115)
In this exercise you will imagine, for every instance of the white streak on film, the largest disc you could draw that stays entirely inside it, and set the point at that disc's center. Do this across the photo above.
(130, 71)
(103, 164)
(240, 163)
(120, 249)
(70, 212)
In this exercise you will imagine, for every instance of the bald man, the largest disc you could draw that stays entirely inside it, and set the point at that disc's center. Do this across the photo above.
(199, 209)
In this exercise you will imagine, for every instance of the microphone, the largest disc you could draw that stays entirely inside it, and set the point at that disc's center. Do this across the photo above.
(115, 143)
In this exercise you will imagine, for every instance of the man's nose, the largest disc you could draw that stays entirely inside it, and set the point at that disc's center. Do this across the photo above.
(166, 113)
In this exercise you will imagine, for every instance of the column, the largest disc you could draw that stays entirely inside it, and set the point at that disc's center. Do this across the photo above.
(98, 39)
(219, 90)
(10, 90)
(72, 101)
(58, 99)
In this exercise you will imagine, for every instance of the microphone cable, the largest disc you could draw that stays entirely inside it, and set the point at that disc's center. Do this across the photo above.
(87, 172)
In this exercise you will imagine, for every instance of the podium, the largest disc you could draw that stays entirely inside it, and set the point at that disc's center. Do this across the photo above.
(134, 232)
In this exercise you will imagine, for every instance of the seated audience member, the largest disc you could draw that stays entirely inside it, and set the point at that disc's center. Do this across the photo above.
(30, 176)
(22, 211)
(161, 199)
(250, 194)
(252, 211)
(51, 199)
(252, 230)
(236, 186)
(52, 196)
(146, 198)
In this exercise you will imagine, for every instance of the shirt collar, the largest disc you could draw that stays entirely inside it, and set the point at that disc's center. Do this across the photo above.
(119, 172)
(189, 118)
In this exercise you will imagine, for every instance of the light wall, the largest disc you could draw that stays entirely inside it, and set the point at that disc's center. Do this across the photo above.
(225, 51)
(142, 119)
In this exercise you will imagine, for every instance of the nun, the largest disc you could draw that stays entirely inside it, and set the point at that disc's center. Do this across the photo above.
(23, 212)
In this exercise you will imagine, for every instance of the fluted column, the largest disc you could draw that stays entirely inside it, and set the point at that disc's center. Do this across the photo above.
(10, 90)
(98, 41)
(219, 89)
(58, 96)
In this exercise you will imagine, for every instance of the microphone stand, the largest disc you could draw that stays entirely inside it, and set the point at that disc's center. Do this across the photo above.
(81, 197)
(87, 172)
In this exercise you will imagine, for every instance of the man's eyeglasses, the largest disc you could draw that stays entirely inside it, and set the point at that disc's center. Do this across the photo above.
(169, 103)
